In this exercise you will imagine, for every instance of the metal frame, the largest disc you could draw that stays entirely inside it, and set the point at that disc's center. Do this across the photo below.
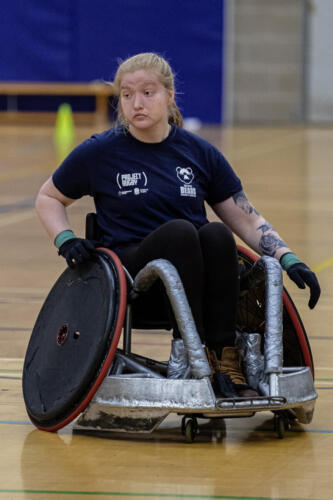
(137, 396)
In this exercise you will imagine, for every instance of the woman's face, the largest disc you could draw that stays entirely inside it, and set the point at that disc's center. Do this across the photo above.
(144, 100)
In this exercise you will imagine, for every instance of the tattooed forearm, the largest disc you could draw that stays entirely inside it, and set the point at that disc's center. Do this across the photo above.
(269, 241)
(266, 227)
(254, 229)
(243, 203)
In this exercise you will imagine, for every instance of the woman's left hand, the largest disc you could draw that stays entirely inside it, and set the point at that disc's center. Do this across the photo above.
(302, 275)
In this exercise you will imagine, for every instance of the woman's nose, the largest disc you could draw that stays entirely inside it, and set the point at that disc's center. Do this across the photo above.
(137, 101)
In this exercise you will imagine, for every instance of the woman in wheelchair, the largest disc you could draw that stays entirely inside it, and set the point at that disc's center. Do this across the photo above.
(150, 180)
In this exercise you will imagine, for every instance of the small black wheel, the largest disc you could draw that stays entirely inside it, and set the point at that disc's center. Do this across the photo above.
(217, 436)
(183, 426)
(281, 425)
(191, 429)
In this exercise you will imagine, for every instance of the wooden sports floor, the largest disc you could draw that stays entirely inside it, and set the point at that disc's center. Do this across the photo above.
(287, 173)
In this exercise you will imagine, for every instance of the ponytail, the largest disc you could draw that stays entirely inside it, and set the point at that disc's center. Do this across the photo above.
(175, 115)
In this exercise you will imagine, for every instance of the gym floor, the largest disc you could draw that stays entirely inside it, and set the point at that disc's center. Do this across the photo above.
(287, 174)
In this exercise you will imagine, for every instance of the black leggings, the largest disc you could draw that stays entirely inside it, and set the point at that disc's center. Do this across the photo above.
(206, 260)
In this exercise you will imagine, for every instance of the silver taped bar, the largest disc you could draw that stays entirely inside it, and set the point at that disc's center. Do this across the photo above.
(163, 269)
(274, 324)
(131, 363)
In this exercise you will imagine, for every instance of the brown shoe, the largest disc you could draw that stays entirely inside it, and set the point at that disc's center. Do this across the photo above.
(229, 375)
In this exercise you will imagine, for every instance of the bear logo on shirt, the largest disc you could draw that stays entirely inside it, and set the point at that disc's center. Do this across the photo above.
(185, 174)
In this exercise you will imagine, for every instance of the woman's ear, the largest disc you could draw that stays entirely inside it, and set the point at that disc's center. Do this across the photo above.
(171, 97)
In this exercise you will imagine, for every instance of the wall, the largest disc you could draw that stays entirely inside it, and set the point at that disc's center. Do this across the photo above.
(266, 60)
(320, 88)
(80, 40)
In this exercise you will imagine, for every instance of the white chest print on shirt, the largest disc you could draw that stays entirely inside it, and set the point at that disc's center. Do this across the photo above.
(132, 183)
(186, 176)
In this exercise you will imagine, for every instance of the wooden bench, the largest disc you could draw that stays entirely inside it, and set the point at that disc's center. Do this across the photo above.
(101, 91)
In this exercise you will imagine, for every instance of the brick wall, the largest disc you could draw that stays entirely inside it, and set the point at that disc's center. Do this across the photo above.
(267, 60)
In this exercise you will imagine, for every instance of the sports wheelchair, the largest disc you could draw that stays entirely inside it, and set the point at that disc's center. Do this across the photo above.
(74, 368)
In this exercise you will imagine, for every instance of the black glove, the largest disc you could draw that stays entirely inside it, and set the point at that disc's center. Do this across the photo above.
(77, 250)
(302, 275)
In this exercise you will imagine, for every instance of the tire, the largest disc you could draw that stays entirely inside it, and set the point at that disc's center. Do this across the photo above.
(191, 429)
(251, 318)
(74, 341)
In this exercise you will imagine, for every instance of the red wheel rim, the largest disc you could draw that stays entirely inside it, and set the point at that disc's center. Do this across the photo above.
(110, 355)
(293, 314)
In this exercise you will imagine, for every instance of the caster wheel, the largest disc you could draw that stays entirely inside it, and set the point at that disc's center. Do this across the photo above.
(281, 426)
(219, 435)
(183, 425)
(191, 429)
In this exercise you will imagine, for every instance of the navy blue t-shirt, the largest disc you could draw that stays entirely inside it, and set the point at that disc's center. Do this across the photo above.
(137, 186)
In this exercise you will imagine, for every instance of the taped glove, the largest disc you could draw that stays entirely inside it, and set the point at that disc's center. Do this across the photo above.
(302, 275)
(76, 250)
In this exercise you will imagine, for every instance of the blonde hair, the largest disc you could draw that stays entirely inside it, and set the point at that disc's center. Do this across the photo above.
(156, 63)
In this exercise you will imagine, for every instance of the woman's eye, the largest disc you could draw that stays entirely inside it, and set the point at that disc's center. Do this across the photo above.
(126, 95)
(148, 92)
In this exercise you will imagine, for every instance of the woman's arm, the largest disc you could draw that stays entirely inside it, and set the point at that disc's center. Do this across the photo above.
(51, 209)
(244, 220)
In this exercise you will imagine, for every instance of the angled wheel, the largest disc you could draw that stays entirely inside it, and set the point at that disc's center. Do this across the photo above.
(74, 341)
(251, 318)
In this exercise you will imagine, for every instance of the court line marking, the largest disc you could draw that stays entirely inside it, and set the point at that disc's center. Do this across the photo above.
(299, 431)
(10, 378)
(8, 370)
(147, 495)
(14, 329)
(257, 149)
(4, 370)
(14, 218)
(23, 290)
(15, 422)
(18, 205)
(329, 381)
(328, 368)
(21, 172)
(12, 359)
(323, 337)
(325, 264)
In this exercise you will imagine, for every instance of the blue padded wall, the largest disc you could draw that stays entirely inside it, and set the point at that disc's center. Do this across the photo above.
(36, 40)
(80, 40)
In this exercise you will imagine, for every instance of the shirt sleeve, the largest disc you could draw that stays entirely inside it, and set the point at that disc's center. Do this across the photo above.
(224, 182)
(72, 178)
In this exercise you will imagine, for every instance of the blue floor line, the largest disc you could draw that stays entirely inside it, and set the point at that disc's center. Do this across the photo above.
(10, 378)
(311, 431)
(16, 422)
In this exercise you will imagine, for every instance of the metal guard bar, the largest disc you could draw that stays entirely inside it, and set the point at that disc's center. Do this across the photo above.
(258, 403)
(270, 269)
(163, 269)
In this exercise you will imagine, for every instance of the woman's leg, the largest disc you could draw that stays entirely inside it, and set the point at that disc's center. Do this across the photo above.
(221, 284)
(178, 242)
(221, 294)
